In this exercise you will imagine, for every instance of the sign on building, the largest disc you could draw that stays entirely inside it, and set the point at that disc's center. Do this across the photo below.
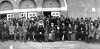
(23, 15)
(10, 16)
(56, 14)
(32, 14)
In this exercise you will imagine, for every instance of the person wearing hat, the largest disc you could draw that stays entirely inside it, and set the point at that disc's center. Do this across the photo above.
(5, 32)
(18, 31)
(52, 32)
(92, 31)
(11, 30)
(64, 31)
(1, 30)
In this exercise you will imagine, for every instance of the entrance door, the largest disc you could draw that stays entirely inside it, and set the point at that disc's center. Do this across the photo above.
(47, 13)
(3, 16)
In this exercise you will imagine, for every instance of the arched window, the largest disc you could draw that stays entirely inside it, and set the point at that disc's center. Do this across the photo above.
(6, 5)
(51, 4)
(24, 4)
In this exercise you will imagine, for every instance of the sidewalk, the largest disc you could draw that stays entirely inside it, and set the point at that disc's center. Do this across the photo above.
(48, 45)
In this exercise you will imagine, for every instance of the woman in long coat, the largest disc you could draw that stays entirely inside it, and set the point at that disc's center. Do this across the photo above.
(5, 32)
(18, 31)
(11, 31)
(92, 31)
(98, 32)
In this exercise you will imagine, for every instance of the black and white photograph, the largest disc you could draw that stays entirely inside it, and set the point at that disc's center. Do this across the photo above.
(49, 24)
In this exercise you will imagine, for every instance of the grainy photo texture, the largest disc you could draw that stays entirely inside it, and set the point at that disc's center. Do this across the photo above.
(49, 24)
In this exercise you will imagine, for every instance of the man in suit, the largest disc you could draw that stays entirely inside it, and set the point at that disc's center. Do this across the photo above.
(1, 30)
(5, 32)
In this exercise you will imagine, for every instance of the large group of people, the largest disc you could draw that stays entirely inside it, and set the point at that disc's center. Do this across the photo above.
(49, 28)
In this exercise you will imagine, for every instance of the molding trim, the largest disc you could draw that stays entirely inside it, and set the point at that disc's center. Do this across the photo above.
(36, 9)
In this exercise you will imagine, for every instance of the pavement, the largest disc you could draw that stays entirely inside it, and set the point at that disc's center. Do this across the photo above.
(48, 45)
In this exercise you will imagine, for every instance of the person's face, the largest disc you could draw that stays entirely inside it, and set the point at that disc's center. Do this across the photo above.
(58, 27)
(52, 24)
(63, 24)
(5, 25)
(69, 25)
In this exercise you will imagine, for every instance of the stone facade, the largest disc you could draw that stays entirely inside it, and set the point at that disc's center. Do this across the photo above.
(29, 3)
(76, 8)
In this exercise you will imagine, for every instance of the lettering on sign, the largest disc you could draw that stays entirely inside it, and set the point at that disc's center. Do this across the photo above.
(10, 16)
(55, 14)
(23, 14)
(32, 14)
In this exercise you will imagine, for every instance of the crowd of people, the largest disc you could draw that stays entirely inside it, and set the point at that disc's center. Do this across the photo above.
(49, 28)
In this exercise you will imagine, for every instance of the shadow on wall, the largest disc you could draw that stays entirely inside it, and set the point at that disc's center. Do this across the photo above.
(6, 5)
(24, 4)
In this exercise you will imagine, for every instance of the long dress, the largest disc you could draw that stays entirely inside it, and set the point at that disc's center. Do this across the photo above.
(92, 31)
(51, 33)
(24, 30)
(11, 29)
(19, 30)
(98, 33)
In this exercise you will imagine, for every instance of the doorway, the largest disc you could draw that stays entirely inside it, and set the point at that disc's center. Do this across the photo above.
(47, 13)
